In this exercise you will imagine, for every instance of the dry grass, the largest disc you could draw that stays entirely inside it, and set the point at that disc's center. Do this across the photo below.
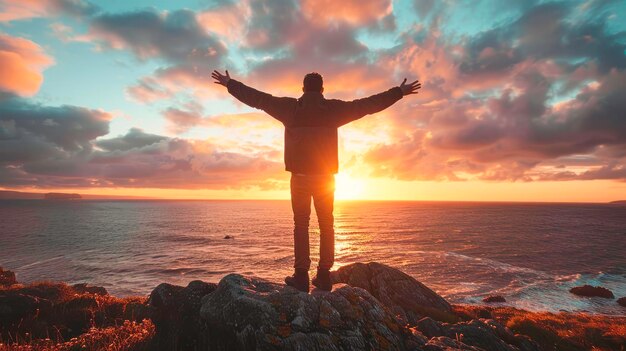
(134, 336)
(54, 316)
(558, 331)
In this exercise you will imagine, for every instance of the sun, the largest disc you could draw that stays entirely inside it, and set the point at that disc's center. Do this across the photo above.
(348, 188)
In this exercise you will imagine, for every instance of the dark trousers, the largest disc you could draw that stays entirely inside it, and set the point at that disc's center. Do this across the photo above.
(322, 189)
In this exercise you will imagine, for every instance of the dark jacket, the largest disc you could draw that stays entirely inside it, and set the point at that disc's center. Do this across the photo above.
(311, 123)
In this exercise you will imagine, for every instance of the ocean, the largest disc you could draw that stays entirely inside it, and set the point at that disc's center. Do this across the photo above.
(531, 253)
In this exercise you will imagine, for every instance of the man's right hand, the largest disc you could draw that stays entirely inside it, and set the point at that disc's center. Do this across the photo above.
(411, 88)
(221, 79)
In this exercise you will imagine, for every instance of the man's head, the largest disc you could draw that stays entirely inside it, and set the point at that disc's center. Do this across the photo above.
(313, 82)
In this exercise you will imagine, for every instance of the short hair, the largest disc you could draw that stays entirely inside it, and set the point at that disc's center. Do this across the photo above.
(313, 82)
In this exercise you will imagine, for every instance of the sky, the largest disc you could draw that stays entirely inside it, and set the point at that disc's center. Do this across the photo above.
(521, 100)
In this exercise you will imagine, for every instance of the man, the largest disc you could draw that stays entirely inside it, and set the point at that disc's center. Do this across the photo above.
(311, 124)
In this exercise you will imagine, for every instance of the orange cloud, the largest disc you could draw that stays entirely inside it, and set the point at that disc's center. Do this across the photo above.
(22, 9)
(355, 12)
(21, 63)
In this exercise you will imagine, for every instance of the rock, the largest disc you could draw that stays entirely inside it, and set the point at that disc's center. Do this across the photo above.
(83, 288)
(7, 278)
(77, 313)
(592, 291)
(17, 306)
(522, 342)
(407, 298)
(622, 301)
(525, 343)
(229, 237)
(54, 292)
(81, 303)
(484, 334)
(176, 314)
(494, 298)
(477, 333)
(430, 327)
(248, 313)
(444, 343)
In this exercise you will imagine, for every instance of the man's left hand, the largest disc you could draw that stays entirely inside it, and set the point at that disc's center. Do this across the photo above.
(408, 89)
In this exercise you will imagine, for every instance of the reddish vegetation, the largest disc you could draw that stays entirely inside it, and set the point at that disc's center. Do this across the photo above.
(557, 331)
(128, 336)
(56, 316)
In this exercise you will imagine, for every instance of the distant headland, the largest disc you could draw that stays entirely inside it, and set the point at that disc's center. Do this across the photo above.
(61, 196)
(22, 195)
(7, 194)
(618, 202)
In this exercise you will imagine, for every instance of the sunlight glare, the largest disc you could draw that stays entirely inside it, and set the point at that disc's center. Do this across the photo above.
(348, 188)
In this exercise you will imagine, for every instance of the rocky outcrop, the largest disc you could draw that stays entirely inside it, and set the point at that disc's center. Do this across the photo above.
(592, 291)
(400, 293)
(444, 343)
(622, 301)
(483, 334)
(494, 298)
(7, 278)
(384, 309)
(83, 288)
(248, 313)
(176, 315)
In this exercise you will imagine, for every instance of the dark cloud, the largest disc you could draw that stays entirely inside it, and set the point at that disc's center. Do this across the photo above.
(175, 36)
(544, 32)
(134, 139)
(45, 146)
(66, 128)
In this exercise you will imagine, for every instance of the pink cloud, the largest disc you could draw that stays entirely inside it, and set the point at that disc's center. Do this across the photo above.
(13, 10)
(354, 12)
(21, 64)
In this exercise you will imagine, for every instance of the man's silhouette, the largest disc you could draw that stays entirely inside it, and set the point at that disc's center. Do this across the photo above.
(311, 124)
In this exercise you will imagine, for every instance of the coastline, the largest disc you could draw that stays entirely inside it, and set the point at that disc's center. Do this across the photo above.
(52, 315)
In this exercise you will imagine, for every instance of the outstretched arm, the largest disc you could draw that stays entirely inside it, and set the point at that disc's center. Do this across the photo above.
(277, 107)
(356, 109)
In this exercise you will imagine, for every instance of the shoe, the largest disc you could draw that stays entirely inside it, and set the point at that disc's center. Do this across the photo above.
(322, 280)
(299, 280)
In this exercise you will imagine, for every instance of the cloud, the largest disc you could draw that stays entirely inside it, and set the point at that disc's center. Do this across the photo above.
(523, 97)
(21, 64)
(181, 120)
(28, 129)
(282, 44)
(520, 101)
(12, 10)
(148, 90)
(174, 38)
(49, 147)
(354, 12)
